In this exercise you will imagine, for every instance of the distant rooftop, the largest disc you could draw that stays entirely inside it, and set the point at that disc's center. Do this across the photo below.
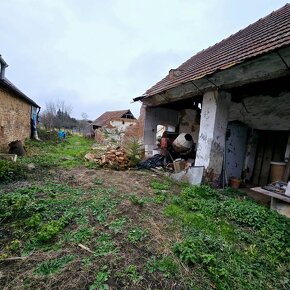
(106, 117)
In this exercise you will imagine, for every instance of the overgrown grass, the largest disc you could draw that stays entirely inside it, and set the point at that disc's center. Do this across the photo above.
(53, 265)
(134, 233)
(39, 214)
(235, 241)
(52, 153)
(10, 171)
(45, 155)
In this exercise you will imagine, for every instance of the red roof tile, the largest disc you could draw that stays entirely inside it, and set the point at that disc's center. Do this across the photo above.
(106, 117)
(265, 35)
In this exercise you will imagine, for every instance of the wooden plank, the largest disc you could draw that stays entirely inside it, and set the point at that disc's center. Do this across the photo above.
(287, 172)
(265, 171)
(272, 194)
(259, 159)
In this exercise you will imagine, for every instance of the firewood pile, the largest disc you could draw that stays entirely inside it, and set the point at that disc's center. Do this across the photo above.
(112, 158)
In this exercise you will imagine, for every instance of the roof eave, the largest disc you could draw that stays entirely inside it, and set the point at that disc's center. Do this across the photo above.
(11, 88)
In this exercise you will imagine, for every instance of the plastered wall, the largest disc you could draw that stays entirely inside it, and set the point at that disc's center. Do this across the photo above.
(120, 126)
(211, 142)
(15, 116)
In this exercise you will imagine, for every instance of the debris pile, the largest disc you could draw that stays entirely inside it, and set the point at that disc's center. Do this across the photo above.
(155, 161)
(112, 158)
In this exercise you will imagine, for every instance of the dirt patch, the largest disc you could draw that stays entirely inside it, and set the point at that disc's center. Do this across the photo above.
(116, 216)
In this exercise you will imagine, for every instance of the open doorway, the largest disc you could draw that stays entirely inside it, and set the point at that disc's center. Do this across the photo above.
(271, 148)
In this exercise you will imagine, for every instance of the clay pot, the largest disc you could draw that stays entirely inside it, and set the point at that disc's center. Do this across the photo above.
(235, 182)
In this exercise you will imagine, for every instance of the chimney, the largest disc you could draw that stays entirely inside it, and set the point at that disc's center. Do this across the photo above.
(3, 65)
(173, 73)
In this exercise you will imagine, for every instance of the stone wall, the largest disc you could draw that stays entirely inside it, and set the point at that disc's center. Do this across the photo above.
(15, 116)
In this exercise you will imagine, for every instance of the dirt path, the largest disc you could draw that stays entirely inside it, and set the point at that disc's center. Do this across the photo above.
(118, 218)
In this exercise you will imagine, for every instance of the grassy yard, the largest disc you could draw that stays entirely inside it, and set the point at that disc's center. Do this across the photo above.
(72, 225)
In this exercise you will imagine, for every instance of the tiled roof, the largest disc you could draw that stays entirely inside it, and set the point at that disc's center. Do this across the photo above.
(265, 35)
(6, 84)
(105, 118)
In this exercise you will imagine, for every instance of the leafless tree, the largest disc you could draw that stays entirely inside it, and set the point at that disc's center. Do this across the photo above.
(57, 115)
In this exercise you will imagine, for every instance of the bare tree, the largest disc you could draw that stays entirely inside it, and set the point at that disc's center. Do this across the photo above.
(84, 116)
(57, 115)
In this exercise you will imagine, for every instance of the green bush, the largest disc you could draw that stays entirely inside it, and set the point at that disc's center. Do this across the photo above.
(10, 170)
(133, 149)
(47, 135)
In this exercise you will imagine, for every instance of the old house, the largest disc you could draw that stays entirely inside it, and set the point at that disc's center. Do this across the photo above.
(119, 120)
(234, 99)
(18, 113)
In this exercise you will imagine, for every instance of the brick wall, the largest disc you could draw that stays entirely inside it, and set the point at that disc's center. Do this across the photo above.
(15, 116)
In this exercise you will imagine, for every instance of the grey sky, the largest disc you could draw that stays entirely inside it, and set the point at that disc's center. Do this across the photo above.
(97, 55)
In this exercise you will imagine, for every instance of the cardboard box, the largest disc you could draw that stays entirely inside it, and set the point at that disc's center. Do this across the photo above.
(179, 165)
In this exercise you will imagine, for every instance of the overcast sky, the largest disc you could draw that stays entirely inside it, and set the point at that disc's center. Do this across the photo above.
(97, 55)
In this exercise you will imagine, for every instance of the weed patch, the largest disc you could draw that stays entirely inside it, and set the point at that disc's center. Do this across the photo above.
(137, 234)
(157, 185)
(136, 200)
(54, 265)
(50, 153)
(228, 237)
(133, 274)
(105, 246)
(166, 265)
(10, 171)
(117, 225)
(101, 279)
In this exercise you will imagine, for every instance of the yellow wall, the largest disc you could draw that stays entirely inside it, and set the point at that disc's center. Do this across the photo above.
(15, 116)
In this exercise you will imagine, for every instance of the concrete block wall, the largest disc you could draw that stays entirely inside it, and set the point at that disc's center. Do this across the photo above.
(15, 119)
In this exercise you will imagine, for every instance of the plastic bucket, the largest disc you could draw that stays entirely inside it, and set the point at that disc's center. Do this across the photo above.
(277, 171)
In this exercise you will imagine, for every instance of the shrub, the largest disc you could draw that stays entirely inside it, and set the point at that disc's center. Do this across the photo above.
(133, 149)
(47, 135)
(10, 170)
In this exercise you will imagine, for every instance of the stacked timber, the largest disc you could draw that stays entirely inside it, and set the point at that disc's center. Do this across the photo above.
(115, 158)
(112, 158)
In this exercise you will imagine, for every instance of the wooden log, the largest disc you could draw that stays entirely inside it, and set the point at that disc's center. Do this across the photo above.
(111, 156)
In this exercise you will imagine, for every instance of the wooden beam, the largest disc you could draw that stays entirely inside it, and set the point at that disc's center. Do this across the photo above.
(266, 67)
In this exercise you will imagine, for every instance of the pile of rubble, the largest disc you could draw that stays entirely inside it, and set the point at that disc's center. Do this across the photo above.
(112, 158)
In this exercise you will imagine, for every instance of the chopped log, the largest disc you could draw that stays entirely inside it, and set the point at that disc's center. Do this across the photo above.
(115, 158)
(90, 156)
